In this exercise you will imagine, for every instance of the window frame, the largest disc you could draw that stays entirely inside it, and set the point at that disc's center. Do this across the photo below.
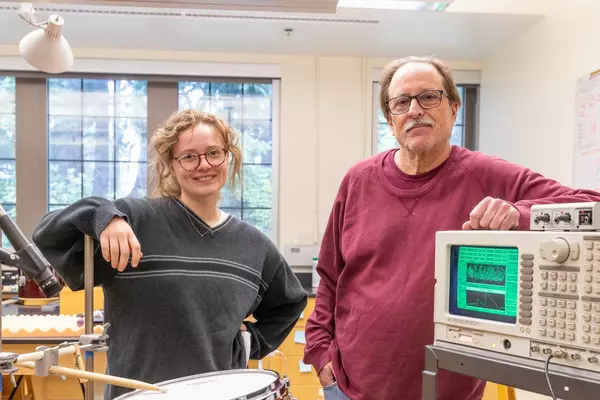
(115, 162)
(35, 199)
(13, 159)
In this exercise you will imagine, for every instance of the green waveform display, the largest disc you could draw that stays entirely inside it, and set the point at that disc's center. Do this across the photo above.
(491, 301)
(486, 274)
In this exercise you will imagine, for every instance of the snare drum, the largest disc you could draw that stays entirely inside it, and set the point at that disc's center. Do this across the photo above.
(239, 384)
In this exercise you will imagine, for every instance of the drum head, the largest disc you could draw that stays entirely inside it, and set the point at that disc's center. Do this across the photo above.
(224, 385)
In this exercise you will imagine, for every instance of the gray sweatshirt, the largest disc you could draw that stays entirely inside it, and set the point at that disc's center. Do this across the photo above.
(179, 312)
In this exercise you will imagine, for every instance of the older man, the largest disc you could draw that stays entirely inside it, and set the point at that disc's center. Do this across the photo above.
(374, 307)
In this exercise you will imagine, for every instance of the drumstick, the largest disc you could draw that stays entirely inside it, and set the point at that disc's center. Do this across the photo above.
(113, 380)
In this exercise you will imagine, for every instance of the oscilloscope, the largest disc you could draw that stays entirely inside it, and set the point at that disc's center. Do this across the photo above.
(525, 293)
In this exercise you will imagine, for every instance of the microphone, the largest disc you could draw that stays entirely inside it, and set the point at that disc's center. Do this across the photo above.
(29, 258)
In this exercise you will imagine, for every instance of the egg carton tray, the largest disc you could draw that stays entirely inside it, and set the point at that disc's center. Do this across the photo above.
(19, 326)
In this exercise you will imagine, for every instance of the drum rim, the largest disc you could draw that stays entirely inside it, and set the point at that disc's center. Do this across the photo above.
(277, 387)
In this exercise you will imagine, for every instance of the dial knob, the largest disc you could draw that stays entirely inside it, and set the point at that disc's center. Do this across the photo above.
(556, 250)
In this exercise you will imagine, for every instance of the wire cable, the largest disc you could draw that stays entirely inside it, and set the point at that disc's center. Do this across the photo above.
(550, 357)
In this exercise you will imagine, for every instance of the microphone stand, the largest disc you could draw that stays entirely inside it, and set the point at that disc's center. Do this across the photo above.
(88, 277)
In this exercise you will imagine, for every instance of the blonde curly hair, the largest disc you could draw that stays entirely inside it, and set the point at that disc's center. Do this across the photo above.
(163, 141)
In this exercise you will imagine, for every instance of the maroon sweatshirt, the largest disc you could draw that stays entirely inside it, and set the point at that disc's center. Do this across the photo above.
(374, 307)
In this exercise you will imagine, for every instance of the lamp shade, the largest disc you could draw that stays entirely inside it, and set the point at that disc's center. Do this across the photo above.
(46, 49)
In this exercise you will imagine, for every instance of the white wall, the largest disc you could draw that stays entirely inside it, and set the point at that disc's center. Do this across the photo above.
(528, 88)
(325, 124)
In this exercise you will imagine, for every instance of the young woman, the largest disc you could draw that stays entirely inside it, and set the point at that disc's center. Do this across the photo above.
(179, 275)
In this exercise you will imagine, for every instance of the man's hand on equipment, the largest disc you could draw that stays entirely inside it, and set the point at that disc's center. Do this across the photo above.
(326, 375)
(118, 242)
(493, 214)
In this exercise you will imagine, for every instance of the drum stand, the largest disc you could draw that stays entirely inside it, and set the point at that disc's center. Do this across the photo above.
(88, 278)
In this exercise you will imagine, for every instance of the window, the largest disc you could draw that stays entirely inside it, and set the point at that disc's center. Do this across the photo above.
(8, 187)
(462, 132)
(248, 107)
(97, 139)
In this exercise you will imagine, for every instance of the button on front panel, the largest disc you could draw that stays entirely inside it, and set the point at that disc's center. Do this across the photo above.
(586, 338)
(562, 276)
(573, 288)
(526, 314)
(526, 285)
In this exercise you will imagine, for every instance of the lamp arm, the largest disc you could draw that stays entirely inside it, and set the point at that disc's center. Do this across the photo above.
(26, 12)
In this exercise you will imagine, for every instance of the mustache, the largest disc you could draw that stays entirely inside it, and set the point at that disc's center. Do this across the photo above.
(418, 122)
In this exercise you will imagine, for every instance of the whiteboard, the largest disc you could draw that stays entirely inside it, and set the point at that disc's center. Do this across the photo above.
(586, 159)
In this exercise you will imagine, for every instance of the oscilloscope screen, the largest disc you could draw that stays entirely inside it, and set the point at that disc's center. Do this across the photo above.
(484, 282)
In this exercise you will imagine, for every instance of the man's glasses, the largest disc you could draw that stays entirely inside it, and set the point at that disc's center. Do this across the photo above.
(191, 161)
(428, 99)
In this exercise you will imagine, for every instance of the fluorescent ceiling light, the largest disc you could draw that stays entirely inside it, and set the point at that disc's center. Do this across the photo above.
(410, 5)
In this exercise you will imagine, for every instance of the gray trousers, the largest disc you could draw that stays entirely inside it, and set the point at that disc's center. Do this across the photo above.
(333, 392)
